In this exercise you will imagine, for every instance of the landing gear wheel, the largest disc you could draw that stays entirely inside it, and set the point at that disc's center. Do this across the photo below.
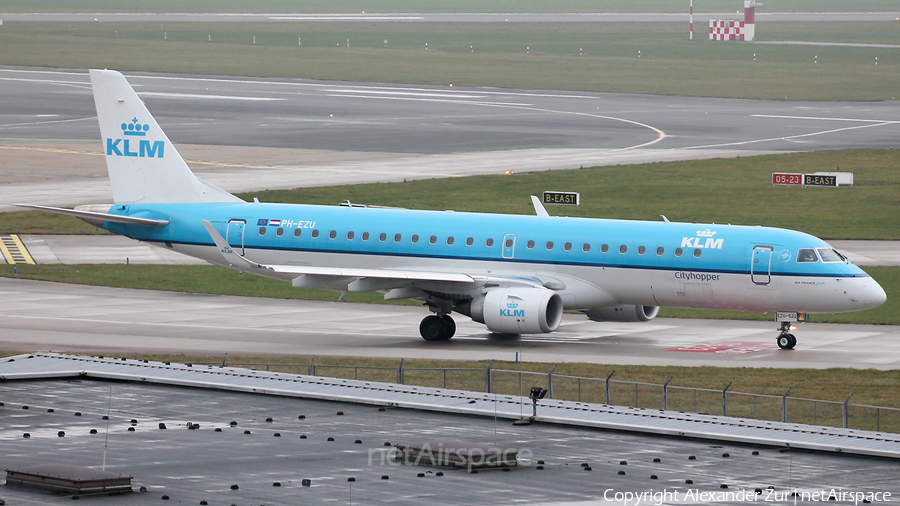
(437, 328)
(432, 328)
(786, 341)
(449, 327)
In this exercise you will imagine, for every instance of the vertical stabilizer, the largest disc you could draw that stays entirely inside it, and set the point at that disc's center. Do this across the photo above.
(143, 165)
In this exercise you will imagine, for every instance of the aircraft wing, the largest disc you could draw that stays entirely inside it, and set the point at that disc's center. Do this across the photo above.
(366, 279)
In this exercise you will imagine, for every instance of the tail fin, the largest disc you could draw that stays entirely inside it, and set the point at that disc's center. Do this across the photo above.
(143, 165)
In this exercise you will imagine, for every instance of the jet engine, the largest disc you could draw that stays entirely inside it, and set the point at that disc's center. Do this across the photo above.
(516, 310)
(624, 313)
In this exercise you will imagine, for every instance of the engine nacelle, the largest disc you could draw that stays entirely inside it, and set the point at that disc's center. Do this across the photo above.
(624, 313)
(517, 310)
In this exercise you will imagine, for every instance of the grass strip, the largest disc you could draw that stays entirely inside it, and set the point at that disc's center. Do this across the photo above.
(670, 64)
(429, 6)
(737, 191)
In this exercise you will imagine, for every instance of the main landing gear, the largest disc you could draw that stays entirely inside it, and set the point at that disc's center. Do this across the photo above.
(437, 328)
(786, 340)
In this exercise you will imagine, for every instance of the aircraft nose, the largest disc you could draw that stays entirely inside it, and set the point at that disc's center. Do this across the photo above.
(872, 294)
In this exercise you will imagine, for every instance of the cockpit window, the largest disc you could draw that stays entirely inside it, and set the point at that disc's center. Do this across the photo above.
(806, 255)
(830, 255)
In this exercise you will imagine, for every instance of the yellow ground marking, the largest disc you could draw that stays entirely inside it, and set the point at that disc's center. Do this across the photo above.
(13, 250)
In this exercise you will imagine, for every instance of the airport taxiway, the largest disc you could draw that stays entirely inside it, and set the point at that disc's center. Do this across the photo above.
(246, 134)
(45, 316)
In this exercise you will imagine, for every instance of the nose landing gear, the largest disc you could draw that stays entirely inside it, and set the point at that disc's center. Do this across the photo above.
(786, 340)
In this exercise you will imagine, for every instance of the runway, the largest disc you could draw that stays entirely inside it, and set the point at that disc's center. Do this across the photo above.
(362, 17)
(246, 134)
(41, 316)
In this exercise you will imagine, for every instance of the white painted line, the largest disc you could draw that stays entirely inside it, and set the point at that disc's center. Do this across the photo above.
(463, 102)
(206, 97)
(346, 18)
(816, 118)
(404, 93)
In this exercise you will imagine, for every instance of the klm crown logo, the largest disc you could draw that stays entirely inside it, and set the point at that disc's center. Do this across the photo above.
(135, 128)
(123, 147)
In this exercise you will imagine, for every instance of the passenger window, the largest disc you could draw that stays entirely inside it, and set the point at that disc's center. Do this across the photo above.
(397, 237)
(415, 238)
(489, 242)
(279, 232)
(262, 230)
(549, 244)
(604, 248)
(332, 234)
(315, 233)
(432, 239)
(623, 248)
(365, 236)
(450, 240)
(660, 250)
(382, 237)
(470, 241)
(509, 243)
(697, 253)
(806, 255)
(641, 250)
(297, 232)
(350, 236)
(568, 246)
(678, 252)
(530, 245)
(830, 255)
(586, 247)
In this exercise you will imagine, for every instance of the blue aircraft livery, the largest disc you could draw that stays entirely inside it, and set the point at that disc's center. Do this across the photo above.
(515, 274)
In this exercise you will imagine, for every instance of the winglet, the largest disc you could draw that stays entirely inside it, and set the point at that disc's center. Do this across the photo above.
(231, 257)
(538, 207)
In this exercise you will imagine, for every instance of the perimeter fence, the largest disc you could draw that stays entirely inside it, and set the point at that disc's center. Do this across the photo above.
(608, 391)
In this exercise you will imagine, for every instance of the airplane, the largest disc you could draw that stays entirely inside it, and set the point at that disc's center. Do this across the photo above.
(515, 274)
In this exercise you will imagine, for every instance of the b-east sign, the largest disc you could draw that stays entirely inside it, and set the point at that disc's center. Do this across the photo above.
(565, 198)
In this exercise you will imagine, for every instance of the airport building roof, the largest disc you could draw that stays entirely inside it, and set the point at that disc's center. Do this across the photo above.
(338, 434)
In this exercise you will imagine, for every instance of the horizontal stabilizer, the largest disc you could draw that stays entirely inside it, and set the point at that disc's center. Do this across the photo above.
(95, 218)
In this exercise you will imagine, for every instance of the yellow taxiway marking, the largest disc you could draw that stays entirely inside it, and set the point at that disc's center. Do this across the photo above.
(13, 250)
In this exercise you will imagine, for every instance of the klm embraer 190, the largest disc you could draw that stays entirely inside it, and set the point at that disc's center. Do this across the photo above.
(515, 274)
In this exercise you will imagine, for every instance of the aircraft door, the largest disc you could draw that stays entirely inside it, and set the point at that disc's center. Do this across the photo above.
(509, 245)
(235, 235)
(761, 265)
